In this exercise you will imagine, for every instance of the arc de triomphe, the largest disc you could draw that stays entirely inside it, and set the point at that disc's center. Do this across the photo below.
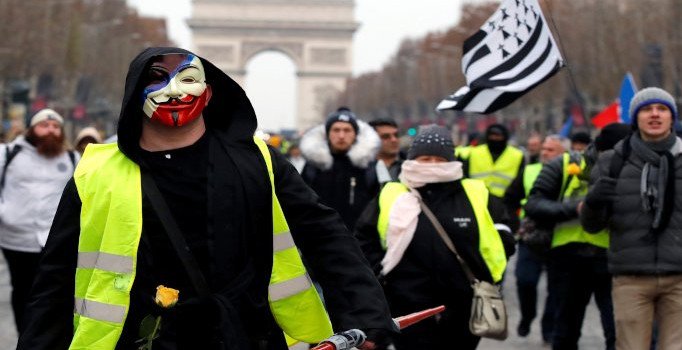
(316, 34)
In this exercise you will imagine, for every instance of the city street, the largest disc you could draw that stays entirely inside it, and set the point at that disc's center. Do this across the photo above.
(592, 338)
(8, 334)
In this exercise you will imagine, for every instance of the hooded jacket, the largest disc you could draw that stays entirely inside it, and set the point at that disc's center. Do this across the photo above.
(345, 182)
(33, 185)
(238, 240)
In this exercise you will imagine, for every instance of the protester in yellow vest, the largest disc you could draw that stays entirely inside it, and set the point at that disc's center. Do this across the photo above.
(188, 199)
(577, 260)
(495, 162)
(403, 246)
(529, 264)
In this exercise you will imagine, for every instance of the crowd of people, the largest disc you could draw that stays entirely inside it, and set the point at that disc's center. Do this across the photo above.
(342, 231)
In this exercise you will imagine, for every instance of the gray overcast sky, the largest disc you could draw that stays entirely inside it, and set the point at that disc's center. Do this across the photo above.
(383, 25)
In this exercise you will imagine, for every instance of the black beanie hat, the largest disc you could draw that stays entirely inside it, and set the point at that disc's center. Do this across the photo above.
(432, 140)
(497, 129)
(343, 114)
(610, 135)
(581, 137)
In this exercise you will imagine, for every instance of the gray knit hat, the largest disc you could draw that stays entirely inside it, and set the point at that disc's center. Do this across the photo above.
(432, 140)
(648, 96)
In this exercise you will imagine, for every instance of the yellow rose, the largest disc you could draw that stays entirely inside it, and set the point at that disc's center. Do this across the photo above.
(574, 169)
(166, 297)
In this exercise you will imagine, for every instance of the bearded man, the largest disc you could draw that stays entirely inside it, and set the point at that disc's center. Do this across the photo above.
(36, 167)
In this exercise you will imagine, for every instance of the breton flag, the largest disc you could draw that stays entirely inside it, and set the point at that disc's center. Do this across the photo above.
(512, 52)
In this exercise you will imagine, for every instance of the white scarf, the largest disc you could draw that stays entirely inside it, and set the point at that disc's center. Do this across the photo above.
(402, 220)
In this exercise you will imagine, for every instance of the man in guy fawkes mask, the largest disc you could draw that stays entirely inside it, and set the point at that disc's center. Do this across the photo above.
(188, 199)
(495, 162)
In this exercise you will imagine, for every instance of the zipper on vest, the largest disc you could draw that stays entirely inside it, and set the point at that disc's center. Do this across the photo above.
(351, 196)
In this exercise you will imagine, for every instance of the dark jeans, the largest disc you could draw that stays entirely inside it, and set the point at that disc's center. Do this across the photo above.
(22, 271)
(577, 271)
(529, 267)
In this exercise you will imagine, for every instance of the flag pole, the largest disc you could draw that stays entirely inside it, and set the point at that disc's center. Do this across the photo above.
(571, 77)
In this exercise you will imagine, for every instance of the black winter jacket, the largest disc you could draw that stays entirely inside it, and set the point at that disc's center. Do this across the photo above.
(429, 274)
(345, 187)
(543, 205)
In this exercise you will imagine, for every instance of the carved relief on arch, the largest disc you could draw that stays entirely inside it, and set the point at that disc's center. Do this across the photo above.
(329, 56)
(215, 53)
(252, 48)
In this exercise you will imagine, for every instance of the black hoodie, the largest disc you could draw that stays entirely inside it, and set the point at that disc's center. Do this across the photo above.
(238, 241)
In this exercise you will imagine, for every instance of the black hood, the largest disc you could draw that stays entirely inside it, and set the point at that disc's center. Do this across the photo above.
(228, 112)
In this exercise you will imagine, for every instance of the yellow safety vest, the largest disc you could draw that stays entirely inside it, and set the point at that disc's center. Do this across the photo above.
(497, 175)
(571, 231)
(109, 187)
(530, 174)
(462, 152)
(489, 242)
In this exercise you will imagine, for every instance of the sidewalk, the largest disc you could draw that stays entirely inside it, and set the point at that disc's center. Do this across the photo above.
(8, 334)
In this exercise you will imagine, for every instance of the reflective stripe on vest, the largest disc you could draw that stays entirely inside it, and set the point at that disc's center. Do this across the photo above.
(489, 242)
(497, 175)
(571, 231)
(111, 224)
(530, 174)
(294, 301)
(111, 227)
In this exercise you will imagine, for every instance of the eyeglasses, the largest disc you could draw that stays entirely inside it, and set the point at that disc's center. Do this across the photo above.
(388, 136)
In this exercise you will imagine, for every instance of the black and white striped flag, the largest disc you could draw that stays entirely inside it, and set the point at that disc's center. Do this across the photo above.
(512, 52)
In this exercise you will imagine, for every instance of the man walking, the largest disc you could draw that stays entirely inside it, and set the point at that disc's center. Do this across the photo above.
(338, 156)
(188, 199)
(530, 263)
(36, 166)
(495, 162)
(388, 158)
(577, 260)
(635, 195)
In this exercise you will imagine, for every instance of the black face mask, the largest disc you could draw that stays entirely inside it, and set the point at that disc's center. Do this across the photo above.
(496, 146)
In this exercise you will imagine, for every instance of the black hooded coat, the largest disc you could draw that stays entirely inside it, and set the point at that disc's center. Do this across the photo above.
(230, 235)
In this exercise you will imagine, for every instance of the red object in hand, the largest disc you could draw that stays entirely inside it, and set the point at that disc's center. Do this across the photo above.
(349, 339)
(408, 320)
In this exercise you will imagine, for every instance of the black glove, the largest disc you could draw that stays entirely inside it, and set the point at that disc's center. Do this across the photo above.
(380, 337)
(603, 192)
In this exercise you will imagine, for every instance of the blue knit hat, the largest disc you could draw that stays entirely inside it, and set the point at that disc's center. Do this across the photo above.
(648, 96)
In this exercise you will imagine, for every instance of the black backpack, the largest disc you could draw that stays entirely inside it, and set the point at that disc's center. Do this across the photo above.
(11, 153)
(618, 160)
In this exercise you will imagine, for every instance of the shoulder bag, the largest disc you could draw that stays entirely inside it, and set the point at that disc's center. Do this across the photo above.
(488, 313)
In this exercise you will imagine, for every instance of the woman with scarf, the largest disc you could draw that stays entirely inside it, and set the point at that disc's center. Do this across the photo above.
(636, 195)
(417, 269)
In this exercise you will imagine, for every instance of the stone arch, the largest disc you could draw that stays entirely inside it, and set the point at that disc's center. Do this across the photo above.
(316, 34)
(253, 50)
